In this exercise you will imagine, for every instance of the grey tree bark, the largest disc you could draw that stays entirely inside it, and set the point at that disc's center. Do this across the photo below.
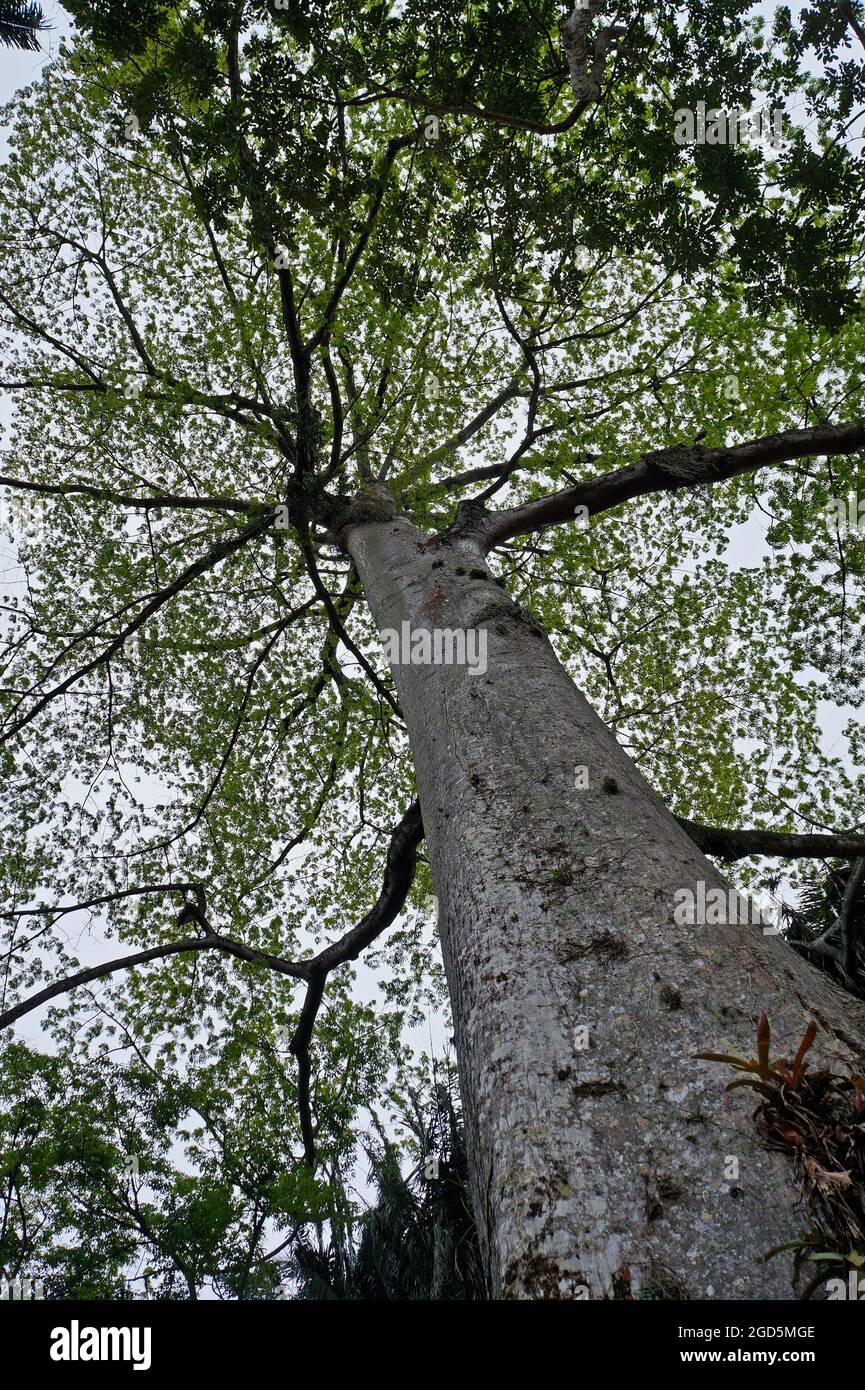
(604, 1167)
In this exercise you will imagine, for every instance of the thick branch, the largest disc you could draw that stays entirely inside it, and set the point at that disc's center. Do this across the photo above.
(399, 872)
(586, 58)
(668, 470)
(740, 844)
(850, 16)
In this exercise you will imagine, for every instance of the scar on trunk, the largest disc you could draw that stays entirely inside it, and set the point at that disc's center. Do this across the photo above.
(604, 944)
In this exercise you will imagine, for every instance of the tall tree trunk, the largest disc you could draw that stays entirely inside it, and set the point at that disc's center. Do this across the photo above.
(602, 1167)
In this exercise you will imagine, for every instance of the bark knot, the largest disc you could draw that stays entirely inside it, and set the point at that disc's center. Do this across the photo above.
(372, 503)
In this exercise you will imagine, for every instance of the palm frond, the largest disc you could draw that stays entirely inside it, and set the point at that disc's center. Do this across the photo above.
(417, 1242)
(20, 24)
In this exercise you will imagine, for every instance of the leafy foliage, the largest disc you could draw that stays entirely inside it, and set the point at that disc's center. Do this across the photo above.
(119, 1183)
(534, 293)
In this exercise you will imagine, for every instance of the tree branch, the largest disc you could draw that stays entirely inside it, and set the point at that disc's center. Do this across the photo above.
(399, 874)
(850, 16)
(102, 494)
(211, 941)
(740, 844)
(400, 866)
(337, 625)
(586, 60)
(213, 557)
(846, 917)
(63, 911)
(400, 142)
(668, 470)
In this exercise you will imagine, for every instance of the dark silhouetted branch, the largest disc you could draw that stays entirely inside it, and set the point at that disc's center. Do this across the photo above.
(210, 941)
(400, 866)
(783, 844)
(399, 874)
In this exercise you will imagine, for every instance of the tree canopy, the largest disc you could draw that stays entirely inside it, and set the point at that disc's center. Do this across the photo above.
(261, 257)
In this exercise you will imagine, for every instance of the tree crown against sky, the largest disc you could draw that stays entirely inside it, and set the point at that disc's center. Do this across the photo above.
(258, 258)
